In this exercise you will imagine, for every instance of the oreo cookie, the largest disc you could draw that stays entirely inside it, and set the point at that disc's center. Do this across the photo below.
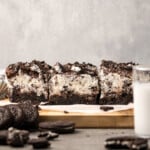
(39, 142)
(126, 142)
(31, 115)
(17, 113)
(3, 137)
(58, 126)
(6, 118)
(48, 135)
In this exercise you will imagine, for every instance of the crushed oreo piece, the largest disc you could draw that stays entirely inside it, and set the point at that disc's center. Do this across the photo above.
(127, 142)
(39, 142)
(48, 135)
(17, 138)
(66, 112)
(106, 108)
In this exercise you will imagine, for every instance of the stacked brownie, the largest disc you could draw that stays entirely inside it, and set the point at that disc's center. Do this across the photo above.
(71, 83)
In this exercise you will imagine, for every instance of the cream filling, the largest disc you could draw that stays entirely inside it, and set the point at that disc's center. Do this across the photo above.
(112, 82)
(28, 84)
(78, 84)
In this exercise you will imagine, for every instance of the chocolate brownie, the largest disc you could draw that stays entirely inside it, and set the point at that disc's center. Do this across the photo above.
(116, 82)
(126, 142)
(58, 126)
(39, 142)
(28, 80)
(76, 83)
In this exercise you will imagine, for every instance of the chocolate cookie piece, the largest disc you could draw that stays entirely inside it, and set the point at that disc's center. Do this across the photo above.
(31, 115)
(17, 138)
(6, 118)
(17, 113)
(106, 108)
(25, 135)
(58, 126)
(48, 135)
(39, 142)
(128, 142)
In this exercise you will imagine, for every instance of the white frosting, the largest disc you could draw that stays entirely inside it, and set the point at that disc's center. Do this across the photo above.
(77, 84)
(28, 84)
(112, 82)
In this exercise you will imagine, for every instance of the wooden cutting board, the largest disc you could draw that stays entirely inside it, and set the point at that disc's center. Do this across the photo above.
(119, 119)
(116, 119)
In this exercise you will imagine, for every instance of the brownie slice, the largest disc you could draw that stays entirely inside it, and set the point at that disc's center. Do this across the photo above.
(116, 82)
(28, 80)
(76, 83)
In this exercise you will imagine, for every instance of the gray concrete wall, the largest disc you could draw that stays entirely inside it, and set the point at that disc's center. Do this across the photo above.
(74, 30)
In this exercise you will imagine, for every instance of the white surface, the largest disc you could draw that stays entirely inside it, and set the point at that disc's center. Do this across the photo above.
(78, 107)
(74, 30)
(85, 108)
(142, 108)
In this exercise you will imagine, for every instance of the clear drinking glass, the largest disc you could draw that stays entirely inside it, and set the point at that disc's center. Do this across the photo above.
(141, 91)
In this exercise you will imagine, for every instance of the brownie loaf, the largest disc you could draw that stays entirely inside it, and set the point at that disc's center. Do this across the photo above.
(71, 83)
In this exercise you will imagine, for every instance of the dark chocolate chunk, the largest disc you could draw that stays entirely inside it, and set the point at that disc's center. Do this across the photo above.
(39, 142)
(106, 108)
(58, 126)
(127, 142)
(48, 135)
(5, 118)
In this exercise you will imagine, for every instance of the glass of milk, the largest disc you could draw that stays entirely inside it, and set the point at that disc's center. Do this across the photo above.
(141, 91)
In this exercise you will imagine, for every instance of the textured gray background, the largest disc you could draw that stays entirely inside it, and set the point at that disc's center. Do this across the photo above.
(70, 30)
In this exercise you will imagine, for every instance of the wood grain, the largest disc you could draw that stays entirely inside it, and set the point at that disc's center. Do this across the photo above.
(119, 119)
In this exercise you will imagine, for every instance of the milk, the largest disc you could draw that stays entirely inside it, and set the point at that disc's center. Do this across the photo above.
(142, 108)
